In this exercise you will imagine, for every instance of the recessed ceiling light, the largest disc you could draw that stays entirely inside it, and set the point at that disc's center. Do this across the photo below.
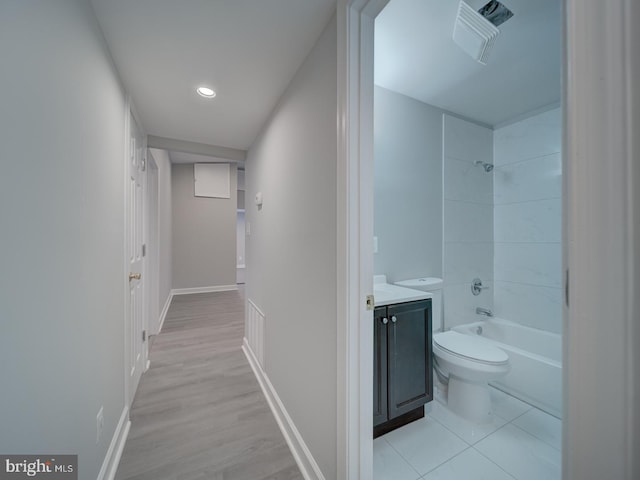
(205, 92)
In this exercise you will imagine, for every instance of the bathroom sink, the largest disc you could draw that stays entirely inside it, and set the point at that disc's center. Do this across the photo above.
(387, 294)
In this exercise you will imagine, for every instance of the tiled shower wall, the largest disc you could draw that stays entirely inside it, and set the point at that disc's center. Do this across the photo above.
(527, 213)
(467, 219)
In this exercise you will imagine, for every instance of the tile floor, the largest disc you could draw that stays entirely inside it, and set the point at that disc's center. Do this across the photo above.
(522, 443)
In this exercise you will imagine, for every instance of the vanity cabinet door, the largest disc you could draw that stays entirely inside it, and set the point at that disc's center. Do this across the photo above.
(410, 383)
(380, 322)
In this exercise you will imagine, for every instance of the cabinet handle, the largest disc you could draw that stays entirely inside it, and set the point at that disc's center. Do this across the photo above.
(385, 320)
(394, 319)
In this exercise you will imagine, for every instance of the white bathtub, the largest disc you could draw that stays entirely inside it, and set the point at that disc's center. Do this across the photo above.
(536, 361)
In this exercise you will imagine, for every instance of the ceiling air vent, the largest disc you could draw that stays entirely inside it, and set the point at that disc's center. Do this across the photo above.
(473, 33)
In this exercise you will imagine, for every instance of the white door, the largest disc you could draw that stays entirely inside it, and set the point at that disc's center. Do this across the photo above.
(135, 256)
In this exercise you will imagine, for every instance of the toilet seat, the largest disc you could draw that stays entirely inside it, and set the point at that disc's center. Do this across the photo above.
(470, 348)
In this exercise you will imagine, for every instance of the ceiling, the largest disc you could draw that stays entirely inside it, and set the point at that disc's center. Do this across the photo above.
(415, 55)
(246, 50)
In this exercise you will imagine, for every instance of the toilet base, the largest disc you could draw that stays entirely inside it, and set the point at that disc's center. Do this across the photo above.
(471, 401)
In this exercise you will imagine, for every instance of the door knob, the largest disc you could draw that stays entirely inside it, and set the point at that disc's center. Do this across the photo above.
(394, 319)
(385, 320)
(134, 276)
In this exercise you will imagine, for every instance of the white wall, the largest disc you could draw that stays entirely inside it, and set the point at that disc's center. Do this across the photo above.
(407, 187)
(527, 216)
(291, 252)
(204, 233)
(468, 219)
(62, 273)
(164, 224)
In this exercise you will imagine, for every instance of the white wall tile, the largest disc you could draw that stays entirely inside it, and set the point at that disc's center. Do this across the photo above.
(533, 137)
(534, 179)
(536, 221)
(465, 261)
(467, 222)
(527, 221)
(529, 263)
(467, 182)
(467, 141)
(537, 307)
(459, 304)
(468, 218)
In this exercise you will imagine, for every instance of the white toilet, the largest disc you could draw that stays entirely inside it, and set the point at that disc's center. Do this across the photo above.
(468, 363)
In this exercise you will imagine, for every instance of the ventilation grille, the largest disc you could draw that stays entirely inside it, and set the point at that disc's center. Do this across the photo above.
(474, 33)
(254, 330)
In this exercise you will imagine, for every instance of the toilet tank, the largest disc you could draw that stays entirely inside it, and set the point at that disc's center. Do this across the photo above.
(433, 285)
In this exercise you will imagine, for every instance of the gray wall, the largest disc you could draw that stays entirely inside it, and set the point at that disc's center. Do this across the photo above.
(204, 233)
(164, 224)
(291, 251)
(408, 187)
(61, 210)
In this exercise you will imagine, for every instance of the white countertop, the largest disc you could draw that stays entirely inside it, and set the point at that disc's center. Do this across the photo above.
(387, 294)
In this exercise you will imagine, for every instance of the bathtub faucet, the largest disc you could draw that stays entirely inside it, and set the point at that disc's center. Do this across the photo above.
(484, 311)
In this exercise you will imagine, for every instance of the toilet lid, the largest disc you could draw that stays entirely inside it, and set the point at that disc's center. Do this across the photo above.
(470, 347)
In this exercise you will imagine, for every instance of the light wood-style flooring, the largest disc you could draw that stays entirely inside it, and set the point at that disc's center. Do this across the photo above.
(199, 412)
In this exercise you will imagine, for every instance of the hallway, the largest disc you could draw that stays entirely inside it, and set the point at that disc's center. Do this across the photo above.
(199, 412)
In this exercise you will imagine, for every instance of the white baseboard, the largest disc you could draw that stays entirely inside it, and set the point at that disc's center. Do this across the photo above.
(215, 288)
(112, 458)
(301, 453)
(165, 309)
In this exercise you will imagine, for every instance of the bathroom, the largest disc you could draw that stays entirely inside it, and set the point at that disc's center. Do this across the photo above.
(468, 186)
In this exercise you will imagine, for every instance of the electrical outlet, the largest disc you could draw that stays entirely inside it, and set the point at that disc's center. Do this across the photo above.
(99, 424)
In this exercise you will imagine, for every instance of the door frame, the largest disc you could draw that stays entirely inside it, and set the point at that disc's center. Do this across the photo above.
(354, 281)
(153, 253)
(601, 109)
(601, 239)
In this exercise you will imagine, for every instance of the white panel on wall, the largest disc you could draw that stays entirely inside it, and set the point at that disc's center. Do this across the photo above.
(530, 138)
(535, 179)
(527, 221)
(531, 305)
(467, 182)
(212, 180)
(464, 261)
(467, 222)
(459, 304)
(468, 219)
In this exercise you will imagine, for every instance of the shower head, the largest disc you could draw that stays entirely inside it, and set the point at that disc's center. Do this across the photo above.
(488, 167)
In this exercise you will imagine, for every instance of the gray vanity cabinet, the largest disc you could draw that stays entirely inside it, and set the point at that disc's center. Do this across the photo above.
(402, 365)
